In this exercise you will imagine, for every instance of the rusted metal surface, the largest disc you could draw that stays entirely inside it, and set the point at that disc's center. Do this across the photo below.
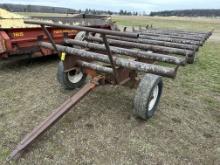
(95, 67)
(87, 29)
(178, 30)
(49, 37)
(119, 69)
(109, 53)
(155, 48)
(174, 36)
(54, 117)
(203, 35)
(126, 63)
(154, 42)
(129, 52)
(169, 39)
(123, 76)
(20, 40)
(173, 31)
(177, 33)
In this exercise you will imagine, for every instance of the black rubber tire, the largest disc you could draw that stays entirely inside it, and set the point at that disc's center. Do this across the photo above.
(144, 95)
(63, 76)
(64, 79)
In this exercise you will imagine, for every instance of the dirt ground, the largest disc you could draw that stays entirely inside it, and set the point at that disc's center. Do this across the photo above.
(101, 129)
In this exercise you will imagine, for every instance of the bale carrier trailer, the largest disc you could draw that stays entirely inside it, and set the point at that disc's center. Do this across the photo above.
(115, 57)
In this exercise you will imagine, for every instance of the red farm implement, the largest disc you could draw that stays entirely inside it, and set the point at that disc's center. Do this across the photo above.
(17, 42)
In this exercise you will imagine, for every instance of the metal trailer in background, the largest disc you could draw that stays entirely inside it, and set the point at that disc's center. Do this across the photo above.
(16, 42)
(111, 57)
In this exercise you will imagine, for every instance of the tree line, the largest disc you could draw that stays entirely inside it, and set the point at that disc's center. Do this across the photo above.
(61, 10)
(99, 12)
(189, 13)
(35, 8)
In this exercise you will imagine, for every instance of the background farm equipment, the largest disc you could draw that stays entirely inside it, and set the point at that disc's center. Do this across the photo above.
(18, 39)
(113, 57)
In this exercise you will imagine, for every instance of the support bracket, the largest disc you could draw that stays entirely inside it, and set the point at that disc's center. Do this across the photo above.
(110, 57)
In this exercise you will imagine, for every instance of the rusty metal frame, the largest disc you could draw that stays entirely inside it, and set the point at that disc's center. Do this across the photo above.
(55, 116)
(126, 71)
(110, 57)
(82, 28)
(50, 37)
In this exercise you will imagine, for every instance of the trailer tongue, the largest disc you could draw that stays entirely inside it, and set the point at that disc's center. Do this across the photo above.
(106, 62)
(58, 113)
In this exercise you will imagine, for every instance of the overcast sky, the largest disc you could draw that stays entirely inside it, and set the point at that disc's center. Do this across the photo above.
(131, 5)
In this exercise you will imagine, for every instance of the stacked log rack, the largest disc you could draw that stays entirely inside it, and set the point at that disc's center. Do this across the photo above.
(115, 57)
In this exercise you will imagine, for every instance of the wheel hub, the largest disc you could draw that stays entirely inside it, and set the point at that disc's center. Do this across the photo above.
(75, 76)
(153, 98)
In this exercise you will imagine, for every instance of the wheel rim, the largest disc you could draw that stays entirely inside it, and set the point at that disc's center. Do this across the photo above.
(154, 96)
(75, 76)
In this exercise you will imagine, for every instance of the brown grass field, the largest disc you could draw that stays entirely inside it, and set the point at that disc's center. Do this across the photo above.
(101, 129)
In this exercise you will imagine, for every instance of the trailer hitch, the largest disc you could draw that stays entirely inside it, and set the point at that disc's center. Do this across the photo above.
(54, 117)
